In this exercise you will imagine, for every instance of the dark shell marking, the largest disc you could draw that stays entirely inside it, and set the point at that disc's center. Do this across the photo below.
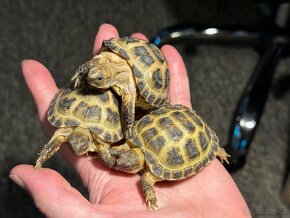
(187, 171)
(97, 130)
(104, 97)
(157, 144)
(149, 134)
(110, 45)
(175, 133)
(189, 126)
(140, 85)
(157, 169)
(149, 158)
(150, 99)
(174, 157)
(130, 39)
(137, 142)
(113, 116)
(57, 123)
(195, 118)
(167, 80)
(145, 121)
(191, 149)
(88, 112)
(166, 122)
(166, 174)
(203, 141)
(177, 174)
(107, 137)
(156, 51)
(145, 93)
(159, 111)
(157, 78)
(67, 102)
(137, 72)
(124, 54)
(72, 123)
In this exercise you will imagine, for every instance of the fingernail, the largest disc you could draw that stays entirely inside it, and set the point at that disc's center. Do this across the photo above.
(17, 180)
(23, 62)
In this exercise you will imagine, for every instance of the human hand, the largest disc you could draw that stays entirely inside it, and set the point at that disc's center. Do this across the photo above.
(210, 193)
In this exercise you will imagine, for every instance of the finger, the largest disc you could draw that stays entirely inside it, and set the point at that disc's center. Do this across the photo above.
(52, 194)
(139, 36)
(41, 85)
(179, 92)
(105, 32)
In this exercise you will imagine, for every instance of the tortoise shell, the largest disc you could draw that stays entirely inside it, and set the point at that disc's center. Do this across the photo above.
(148, 64)
(96, 110)
(176, 142)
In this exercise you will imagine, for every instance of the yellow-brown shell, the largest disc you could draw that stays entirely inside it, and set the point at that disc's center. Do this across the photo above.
(176, 142)
(148, 64)
(94, 109)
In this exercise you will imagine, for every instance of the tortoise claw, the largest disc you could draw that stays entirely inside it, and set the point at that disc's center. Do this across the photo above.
(151, 203)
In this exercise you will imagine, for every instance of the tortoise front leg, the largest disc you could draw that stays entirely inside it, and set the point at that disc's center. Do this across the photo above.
(59, 137)
(82, 71)
(128, 112)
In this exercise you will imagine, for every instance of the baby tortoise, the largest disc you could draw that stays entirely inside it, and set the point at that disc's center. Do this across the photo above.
(171, 143)
(135, 69)
(84, 117)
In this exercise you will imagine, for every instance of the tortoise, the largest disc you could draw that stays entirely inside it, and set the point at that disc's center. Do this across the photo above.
(85, 117)
(136, 70)
(170, 143)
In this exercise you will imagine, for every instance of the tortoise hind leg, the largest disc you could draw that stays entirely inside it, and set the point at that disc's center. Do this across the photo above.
(104, 156)
(147, 183)
(222, 155)
(59, 137)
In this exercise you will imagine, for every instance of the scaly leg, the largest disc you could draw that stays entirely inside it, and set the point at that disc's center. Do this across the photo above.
(104, 156)
(222, 155)
(121, 158)
(59, 137)
(81, 73)
(129, 161)
(147, 183)
(81, 141)
(128, 112)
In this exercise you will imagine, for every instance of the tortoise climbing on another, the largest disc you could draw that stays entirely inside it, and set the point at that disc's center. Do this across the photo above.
(85, 118)
(136, 70)
(171, 143)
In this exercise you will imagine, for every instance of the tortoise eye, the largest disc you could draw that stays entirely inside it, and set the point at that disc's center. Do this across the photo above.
(99, 76)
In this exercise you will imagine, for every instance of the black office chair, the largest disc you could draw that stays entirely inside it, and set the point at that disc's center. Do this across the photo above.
(272, 42)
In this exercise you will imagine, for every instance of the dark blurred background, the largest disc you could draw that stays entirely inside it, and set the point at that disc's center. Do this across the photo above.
(60, 34)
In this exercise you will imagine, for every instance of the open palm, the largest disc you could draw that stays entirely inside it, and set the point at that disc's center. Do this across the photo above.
(210, 193)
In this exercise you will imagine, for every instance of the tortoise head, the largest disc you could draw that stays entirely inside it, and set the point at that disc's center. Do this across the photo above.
(104, 73)
(100, 76)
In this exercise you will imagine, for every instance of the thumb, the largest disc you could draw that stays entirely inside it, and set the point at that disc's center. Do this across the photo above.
(52, 194)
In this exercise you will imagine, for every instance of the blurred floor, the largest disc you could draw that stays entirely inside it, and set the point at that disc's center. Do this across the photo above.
(60, 34)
